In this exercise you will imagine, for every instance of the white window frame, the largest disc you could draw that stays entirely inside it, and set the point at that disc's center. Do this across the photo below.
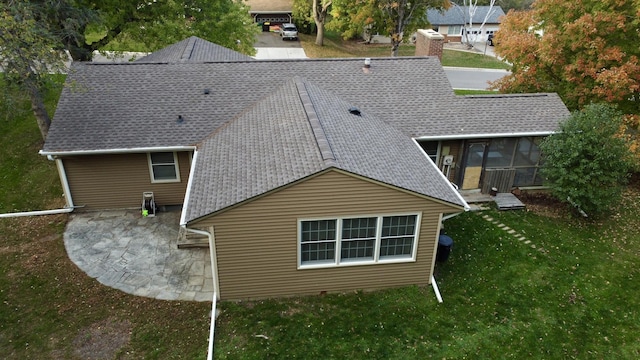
(451, 30)
(175, 164)
(378, 241)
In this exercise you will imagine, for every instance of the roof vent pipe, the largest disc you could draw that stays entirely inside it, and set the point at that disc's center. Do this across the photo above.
(367, 63)
(355, 111)
(180, 119)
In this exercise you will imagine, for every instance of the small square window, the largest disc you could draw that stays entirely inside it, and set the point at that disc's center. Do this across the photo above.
(163, 167)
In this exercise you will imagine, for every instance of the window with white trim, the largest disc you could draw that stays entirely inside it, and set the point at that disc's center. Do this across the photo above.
(454, 30)
(163, 167)
(358, 240)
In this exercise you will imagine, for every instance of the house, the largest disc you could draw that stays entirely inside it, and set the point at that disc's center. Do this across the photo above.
(453, 22)
(307, 176)
(274, 12)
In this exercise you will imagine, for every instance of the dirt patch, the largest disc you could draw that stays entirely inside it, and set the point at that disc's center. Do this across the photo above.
(542, 203)
(102, 340)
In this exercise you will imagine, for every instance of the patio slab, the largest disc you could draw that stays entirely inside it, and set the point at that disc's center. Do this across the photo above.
(139, 255)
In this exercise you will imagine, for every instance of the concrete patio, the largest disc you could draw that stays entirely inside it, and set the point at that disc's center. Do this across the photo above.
(139, 255)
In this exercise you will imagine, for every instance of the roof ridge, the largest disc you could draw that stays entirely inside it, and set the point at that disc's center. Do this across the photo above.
(188, 50)
(326, 152)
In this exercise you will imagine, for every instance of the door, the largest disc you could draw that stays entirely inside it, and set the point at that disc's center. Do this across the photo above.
(472, 166)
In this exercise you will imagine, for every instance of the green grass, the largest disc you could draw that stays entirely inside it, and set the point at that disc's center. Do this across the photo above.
(475, 92)
(334, 46)
(503, 299)
(50, 309)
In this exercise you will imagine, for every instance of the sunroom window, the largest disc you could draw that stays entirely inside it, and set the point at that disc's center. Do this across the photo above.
(357, 240)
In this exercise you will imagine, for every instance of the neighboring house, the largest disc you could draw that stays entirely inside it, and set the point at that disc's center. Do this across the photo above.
(272, 11)
(308, 175)
(453, 22)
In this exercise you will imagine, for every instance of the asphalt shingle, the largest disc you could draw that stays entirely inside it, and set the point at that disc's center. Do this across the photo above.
(193, 49)
(296, 131)
(458, 15)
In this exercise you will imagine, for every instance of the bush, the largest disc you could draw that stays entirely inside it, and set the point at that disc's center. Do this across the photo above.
(587, 163)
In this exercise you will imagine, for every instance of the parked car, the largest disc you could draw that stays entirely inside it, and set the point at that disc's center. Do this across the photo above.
(288, 31)
(490, 39)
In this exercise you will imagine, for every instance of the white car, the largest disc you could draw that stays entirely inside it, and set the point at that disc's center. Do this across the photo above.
(288, 31)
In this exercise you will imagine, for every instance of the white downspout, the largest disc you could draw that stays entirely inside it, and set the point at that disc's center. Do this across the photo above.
(65, 189)
(65, 183)
(435, 289)
(216, 293)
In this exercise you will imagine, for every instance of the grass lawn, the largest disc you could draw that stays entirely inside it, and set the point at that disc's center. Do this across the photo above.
(556, 287)
(569, 290)
(334, 46)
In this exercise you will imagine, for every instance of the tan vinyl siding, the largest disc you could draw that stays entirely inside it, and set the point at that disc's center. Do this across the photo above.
(257, 243)
(118, 181)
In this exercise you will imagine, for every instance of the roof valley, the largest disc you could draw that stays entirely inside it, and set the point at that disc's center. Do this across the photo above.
(326, 152)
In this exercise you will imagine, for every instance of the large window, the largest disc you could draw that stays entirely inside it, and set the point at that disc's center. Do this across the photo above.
(163, 167)
(454, 30)
(358, 240)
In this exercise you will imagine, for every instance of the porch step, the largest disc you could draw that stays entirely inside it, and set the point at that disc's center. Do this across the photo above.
(190, 240)
(508, 201)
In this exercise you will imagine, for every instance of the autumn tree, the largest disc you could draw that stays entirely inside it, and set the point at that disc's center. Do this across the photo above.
(394, 18)
(585, 50)
(586, 163)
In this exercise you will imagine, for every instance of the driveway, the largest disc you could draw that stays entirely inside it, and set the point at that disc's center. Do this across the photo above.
(269, 45)
(139, 255)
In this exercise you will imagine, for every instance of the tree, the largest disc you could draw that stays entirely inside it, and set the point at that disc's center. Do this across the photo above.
(320, 8)
(30, 48)
(586, 162)
(35, 33)
(585, 50)
(160, 23)
(468, 11)
(390, 17)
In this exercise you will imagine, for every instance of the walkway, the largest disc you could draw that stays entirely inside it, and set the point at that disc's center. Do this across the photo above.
(139, 255)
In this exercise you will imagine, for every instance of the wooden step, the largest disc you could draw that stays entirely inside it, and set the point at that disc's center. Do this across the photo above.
(191, 240)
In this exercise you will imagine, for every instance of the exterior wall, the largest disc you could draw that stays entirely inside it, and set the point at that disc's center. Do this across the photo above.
(454, 148)
(118, 181)
(257, 242)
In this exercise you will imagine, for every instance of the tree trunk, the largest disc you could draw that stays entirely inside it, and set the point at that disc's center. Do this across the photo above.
(320, 34)
(39, 110)
(395, 47)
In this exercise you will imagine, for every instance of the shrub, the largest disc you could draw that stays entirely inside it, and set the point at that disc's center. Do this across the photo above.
(586, 163)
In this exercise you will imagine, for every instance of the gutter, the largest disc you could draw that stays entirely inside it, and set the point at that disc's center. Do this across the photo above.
(465, 206)
(187, 195)
(117, 151)
(216, 285)
(486, 135)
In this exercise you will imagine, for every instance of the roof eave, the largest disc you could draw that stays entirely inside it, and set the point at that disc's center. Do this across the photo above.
(118, 151)
(484, 136)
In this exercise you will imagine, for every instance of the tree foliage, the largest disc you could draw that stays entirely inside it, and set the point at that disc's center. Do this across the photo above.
(160, 23)
(586, 162)
(35, 33)
(585, 50)
(31, 45)
(394, 18)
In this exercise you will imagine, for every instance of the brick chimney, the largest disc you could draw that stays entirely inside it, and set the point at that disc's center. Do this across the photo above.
(429, 43)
